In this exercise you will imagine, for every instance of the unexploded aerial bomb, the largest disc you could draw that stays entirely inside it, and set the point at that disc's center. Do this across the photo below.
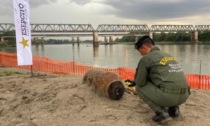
(105, 83)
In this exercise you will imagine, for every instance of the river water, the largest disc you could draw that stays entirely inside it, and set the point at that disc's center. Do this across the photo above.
(194, 58)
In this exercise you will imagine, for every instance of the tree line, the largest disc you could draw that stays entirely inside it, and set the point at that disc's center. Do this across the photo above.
(175, 37)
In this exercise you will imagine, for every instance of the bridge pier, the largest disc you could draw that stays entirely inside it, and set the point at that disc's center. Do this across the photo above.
(95, 39)
(35, 41)
(106, 39)
(38, 41)
(150, 34)
(78, 41)
(73, 40)
(136, 38)
(111, 39)
(194, 36)
(42, 41)
(2, 39)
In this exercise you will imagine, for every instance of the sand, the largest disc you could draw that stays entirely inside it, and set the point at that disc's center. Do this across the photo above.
(62, 100)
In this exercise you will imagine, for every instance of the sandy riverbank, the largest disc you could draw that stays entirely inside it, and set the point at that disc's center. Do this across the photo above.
(62, 100)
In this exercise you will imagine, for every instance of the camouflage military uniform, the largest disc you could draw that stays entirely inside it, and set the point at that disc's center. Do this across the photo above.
(160, 80)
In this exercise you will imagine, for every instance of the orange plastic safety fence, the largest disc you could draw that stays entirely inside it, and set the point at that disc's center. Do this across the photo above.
(58, 67)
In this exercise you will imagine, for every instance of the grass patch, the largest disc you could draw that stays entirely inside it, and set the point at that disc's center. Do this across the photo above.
(8, 73)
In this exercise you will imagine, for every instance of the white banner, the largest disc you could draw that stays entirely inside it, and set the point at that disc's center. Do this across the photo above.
(23, 31)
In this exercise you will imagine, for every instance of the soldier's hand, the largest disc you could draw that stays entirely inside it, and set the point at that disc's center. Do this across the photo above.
(130, 83)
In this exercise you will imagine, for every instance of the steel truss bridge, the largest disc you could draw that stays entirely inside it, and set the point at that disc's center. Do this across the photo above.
(130, 28)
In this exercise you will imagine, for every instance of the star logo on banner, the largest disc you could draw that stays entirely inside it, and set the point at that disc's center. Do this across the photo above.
(24, 42)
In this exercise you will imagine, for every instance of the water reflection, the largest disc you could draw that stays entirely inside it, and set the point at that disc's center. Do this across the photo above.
(126, 57)
(95, 55)
(8, 49)
(190, 57)
(39, 48)
(95, 51)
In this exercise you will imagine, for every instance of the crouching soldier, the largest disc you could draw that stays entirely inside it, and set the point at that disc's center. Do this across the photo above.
(159, 80)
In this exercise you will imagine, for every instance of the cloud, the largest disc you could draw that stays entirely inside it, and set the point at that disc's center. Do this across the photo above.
(6, 7)
(5, 4)
(33, 3)
(36, 3)
(80, 2)
(105, 11)
(157, 9)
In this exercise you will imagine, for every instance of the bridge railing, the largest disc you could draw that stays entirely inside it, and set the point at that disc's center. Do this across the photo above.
(122, 28)
(5, 27)
(62, 28)
(202, 27)
(172, 28)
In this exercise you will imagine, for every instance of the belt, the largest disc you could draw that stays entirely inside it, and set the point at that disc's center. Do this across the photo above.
(173, 90)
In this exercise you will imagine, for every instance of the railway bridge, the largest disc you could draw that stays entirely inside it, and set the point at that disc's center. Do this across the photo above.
(106, 30)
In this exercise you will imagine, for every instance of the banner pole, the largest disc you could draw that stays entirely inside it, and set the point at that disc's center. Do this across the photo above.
(32, 70)
(73, 58)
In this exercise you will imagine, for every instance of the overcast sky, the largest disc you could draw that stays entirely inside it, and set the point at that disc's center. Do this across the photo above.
(97, 12)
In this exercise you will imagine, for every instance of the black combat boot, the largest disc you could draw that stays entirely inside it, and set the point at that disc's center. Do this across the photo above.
(160, 115)
(173, 111)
